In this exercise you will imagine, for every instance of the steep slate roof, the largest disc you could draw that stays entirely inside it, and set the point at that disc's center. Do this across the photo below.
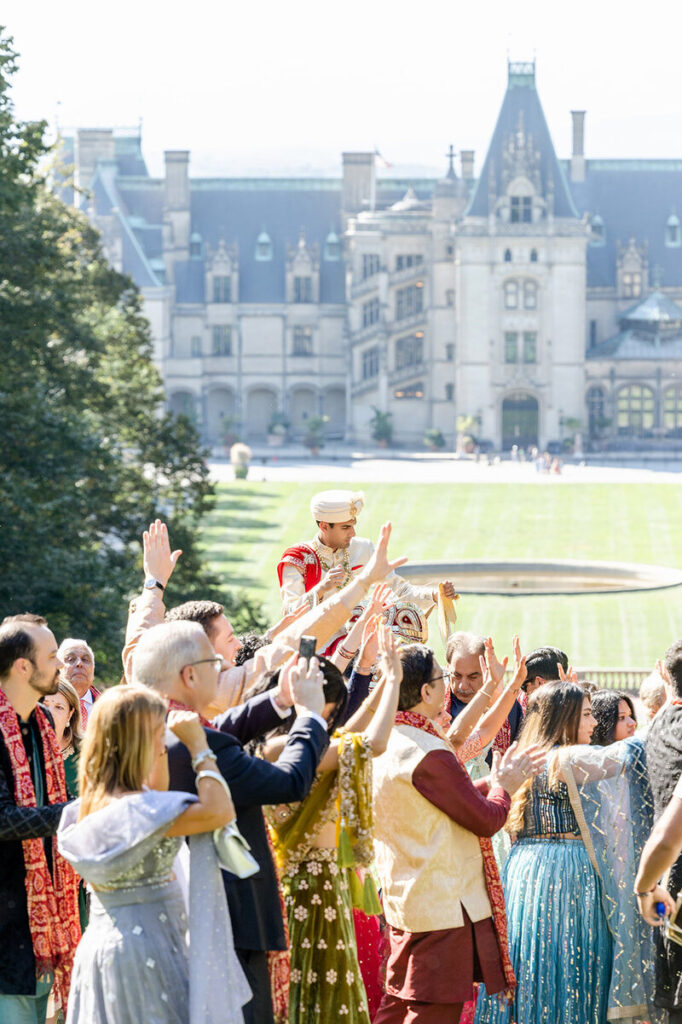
(634, 198)
(651, 329)
(521, 98)
(657, 310)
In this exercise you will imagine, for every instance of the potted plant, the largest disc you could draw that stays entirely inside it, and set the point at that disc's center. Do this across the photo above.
(382, 427)
(277, 430)
(466, 439)
(314, 436)
(240, 457)
(434, 440)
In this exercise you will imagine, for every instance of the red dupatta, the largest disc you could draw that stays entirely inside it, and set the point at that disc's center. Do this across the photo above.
(492, 875)
(52, 899)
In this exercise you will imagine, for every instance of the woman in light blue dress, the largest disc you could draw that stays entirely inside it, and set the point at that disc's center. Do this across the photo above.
(578, 953)
(133, 964)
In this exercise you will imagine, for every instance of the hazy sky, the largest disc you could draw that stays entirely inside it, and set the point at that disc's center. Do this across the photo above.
(273, 87)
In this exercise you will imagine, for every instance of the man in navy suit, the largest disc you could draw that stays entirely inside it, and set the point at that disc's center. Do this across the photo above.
(177, 659)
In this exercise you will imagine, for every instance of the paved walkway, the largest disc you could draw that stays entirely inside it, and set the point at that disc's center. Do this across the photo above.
(346, 465)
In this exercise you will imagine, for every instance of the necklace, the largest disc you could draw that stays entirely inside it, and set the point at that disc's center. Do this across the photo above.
(345, 565)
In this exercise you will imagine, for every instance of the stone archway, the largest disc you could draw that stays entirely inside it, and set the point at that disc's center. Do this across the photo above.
(334, 406)
(520, 420)
(302, 407)
(261, 406)
(220, 414)
(183, 403)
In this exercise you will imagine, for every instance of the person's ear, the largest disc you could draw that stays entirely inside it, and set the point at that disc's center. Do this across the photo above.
(187, 676)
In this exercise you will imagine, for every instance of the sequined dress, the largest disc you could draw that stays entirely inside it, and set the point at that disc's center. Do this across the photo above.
(133, 964)
(559, 940)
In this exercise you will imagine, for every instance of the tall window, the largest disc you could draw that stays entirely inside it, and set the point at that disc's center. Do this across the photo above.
(635, 406)
(370, 363)
(672, 232)
(450, 353)
(530, 347)
(511, 347)
(370, 265)
(632, 284)
(507, 256)
(533, 255)
(222, 287)
(303, 341)
(530, 295)
(222, 340)
(449, 392)
(450, 297)
(593, 333)
(672, 411)
(521, 209)
(370, 313)
(409, 301)
(303, 289)
(596, 408)
(195, 346)
(511, 295)
(408, 260)
(409, 351)
(263, 247)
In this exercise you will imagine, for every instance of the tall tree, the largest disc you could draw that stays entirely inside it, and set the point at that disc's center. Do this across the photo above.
(88, 455)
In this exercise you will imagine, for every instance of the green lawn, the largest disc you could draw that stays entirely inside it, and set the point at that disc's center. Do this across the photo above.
(253, 523)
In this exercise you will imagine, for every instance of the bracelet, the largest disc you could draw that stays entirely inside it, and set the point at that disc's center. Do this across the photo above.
(203, 755)
(217, 777)
(647, 892)
(346, 653)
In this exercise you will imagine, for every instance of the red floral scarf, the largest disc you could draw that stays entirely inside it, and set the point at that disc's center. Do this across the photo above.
(492, 875)
(52, 900)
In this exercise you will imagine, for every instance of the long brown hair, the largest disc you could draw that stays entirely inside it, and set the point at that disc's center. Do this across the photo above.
(74, 730)
(552, 719)
(118, 748)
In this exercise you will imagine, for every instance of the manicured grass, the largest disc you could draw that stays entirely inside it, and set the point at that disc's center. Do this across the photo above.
(253, 523)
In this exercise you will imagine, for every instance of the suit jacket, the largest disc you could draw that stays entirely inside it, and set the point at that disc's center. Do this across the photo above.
(17, 963)
(254, 902)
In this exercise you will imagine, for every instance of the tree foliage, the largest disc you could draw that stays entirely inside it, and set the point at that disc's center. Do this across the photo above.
(88, 455)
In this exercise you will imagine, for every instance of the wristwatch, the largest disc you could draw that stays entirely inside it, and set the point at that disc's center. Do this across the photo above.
(150, 582)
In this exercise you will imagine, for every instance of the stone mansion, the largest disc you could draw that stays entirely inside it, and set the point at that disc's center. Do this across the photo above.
(537, 299)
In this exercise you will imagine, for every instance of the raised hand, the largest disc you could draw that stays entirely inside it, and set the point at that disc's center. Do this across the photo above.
(187, 727)
(390, 664)
(306, 686)
(512, 770)
(449, 590)
(496, 667)
(286, 621)
(369, 645)
(157, 558)
(379, 566)
(571, 676)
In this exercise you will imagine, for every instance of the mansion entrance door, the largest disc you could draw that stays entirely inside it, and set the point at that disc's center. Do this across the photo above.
(520, 417)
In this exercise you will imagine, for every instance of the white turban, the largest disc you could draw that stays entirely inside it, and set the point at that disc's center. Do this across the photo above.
(336, 506)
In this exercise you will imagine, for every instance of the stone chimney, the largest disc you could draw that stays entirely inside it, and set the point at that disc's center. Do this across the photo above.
(578, 154)
(92, 145)
(359, 182)
(176, 216)
(466, 159)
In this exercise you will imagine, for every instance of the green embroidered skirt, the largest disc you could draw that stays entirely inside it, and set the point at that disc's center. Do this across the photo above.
(325, 982)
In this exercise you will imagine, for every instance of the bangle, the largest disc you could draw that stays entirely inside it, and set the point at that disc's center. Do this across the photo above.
(203, 755)
(647, 892)
(346, 653)
(217, 777)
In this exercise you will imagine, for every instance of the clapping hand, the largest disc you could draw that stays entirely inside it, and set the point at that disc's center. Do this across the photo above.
(157, 558)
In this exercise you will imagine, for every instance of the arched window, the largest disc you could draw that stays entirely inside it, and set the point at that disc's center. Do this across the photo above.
(635, 407)
(511, 295)
(672, 232)
(530, 295)
(596, 411)
(332, 247)
(632, 284)
(195, 246)
(672, 411)
(263, 247)
(533, 255)
(507, 256)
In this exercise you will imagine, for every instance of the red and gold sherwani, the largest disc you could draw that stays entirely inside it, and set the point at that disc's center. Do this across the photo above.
(445, 917)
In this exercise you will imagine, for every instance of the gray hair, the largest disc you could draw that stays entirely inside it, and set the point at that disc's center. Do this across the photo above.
(464, 643)
(652, 692)
(164, 650)
(71, 641)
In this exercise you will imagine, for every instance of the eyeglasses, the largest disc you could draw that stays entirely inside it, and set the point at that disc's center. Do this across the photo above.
(445, 674)
(217, 663)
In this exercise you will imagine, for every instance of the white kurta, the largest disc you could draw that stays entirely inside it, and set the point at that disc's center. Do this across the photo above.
(357, 554)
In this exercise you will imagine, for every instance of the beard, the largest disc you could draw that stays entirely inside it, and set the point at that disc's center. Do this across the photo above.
(43, 682)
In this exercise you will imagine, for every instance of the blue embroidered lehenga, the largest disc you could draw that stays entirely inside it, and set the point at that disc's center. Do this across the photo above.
(580, 951)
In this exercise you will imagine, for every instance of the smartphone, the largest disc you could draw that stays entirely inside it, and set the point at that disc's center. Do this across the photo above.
(306, 647)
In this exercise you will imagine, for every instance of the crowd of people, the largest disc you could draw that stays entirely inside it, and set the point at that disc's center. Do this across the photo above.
(323, 822)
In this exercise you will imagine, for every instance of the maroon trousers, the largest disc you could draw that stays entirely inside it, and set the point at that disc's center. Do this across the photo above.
(402, 1011)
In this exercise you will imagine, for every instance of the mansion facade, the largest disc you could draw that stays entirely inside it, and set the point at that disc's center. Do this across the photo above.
(532, 301)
